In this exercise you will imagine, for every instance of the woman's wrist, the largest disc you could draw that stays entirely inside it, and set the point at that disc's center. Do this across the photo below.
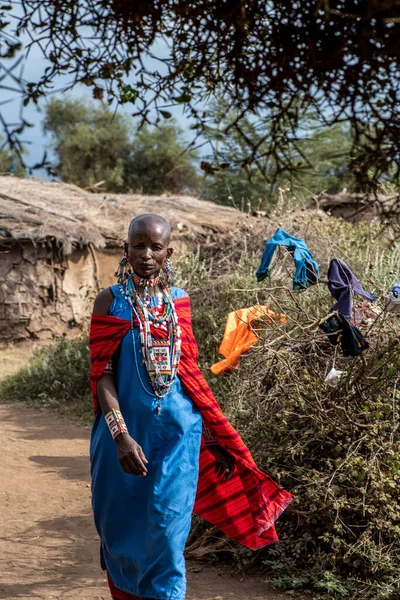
(120, 439)
(116, 423)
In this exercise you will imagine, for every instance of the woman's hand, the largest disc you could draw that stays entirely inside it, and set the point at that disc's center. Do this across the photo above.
(225, 462)
(130, 455)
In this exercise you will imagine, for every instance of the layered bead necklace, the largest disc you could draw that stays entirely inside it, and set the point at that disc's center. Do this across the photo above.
(160, 356)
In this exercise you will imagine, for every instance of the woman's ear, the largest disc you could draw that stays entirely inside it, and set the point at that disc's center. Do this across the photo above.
(126, 245)
(170, 252)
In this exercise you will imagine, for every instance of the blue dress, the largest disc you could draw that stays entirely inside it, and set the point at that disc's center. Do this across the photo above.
(143, 522)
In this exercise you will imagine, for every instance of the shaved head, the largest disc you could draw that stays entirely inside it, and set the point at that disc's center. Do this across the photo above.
(152, 221)
(148, 241)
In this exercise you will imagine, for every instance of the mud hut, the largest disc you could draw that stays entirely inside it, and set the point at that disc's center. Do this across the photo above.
(355, 207)
(59, 245)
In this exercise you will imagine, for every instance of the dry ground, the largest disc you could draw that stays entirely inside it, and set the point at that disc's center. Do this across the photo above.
(48, 545)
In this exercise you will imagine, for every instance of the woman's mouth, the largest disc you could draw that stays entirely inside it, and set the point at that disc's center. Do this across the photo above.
(147, 269)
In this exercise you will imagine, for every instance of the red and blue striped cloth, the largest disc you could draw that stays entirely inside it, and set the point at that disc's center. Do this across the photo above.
(244, 507)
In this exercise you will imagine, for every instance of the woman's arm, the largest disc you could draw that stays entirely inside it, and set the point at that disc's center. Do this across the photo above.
(130, 455)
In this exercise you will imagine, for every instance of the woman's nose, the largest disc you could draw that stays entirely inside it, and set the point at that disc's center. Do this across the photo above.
(146, 252)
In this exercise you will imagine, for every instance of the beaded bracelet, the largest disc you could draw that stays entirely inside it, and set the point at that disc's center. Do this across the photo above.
(115, 422)
(207, 436)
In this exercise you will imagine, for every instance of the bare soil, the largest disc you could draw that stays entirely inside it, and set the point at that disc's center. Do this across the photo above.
(48, 545)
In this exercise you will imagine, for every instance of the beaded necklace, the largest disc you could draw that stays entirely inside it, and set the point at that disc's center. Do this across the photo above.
(161, 357)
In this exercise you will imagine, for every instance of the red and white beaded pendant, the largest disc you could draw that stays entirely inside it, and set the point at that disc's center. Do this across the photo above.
(156, 354)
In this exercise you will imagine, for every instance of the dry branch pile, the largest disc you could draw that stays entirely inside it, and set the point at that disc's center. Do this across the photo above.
(336, 448)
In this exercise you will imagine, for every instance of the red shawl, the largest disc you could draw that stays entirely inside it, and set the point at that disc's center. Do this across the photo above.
(245, 507)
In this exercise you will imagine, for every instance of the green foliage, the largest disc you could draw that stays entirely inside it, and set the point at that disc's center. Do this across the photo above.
(321, 155)
(338, 58)
(236, 187)
(97, 146)
(91, 143)
(325, 163)
(56, 378)
(239, 181)
(158, 161)
(10, 163)
(336, 449)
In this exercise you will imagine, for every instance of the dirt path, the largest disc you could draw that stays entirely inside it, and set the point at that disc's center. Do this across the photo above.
(48, 545)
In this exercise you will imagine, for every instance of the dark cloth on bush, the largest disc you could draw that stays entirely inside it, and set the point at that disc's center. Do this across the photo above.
(341, 283)
(341, 331)
(306, 269)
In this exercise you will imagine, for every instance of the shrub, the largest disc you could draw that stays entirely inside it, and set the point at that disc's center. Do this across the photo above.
(336, 449)
(57, 378)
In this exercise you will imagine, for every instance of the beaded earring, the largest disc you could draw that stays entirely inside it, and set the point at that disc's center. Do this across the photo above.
(168, 269)
(124, 268)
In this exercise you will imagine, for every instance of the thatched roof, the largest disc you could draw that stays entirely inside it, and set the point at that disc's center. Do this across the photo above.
(41, 211)
(356, 207)
(344, 198)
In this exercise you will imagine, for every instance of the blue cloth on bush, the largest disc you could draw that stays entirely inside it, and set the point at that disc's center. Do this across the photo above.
(341, 282)
(306, 269)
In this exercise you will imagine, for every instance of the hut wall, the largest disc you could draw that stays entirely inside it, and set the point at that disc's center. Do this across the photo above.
(79, 284)
(107, 264)
(42, 296)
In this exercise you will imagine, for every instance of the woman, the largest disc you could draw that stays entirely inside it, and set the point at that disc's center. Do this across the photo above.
(158, 429)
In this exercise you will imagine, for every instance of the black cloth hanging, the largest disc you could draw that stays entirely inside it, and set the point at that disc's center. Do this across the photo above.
(341, 331)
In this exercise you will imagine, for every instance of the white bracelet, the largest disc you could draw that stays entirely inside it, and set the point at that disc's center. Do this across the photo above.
(115, 422)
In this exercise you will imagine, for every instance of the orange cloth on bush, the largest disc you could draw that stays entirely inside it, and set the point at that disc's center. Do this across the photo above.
(239, 334)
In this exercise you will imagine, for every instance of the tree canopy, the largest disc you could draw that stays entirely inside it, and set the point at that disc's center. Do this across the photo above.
(322, 159)
(158, 161)
(339, 58)
(90, 142)
(9, 163)
(96, 147)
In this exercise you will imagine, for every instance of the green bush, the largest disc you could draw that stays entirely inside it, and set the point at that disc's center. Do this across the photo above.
(57, 378)
(97, 147)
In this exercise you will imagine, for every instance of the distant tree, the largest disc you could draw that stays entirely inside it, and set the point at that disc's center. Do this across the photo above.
(95, 145)
(326, 161)
(91, 143)
(321, 157)
(159, 161)
(226, 181)
(10, 163)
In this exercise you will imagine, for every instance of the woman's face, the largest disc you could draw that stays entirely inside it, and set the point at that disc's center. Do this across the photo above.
(148, 248)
